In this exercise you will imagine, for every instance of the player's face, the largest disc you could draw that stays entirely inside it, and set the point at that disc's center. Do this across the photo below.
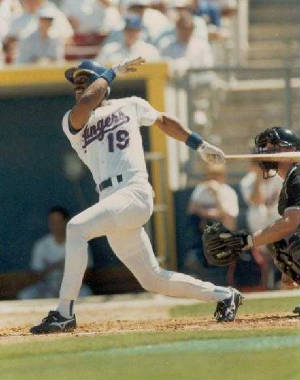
(80, 84)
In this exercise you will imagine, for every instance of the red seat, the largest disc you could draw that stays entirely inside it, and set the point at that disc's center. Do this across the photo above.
(84, 46)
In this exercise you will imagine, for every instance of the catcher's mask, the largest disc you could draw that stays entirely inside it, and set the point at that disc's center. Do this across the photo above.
(88, 67)
(274, 140)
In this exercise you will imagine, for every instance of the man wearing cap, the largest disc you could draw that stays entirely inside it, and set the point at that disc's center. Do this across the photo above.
(130, 45)
(22, 26)
(91, 16)
(155, 22)
(187, 50)
(40, 45)
(105, 133)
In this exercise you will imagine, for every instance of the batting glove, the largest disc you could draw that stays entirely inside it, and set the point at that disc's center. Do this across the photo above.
(211, 154)
(129, 65)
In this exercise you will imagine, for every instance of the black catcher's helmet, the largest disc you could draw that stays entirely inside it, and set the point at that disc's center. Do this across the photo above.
(279, 137)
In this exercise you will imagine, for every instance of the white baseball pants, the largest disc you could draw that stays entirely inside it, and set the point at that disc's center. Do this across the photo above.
(120, 216)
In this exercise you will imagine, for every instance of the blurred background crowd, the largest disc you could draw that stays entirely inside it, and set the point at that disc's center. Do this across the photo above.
(181, 31)
(233, 70)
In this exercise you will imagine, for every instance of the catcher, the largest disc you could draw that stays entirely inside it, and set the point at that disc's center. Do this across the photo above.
(223, 246)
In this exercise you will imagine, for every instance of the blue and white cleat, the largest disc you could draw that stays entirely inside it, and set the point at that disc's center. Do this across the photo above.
(226, 309)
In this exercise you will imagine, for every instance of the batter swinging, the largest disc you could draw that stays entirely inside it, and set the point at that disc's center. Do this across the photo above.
(106, 136)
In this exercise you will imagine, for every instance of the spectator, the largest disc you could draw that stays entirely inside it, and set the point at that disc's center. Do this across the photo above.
(130, 46)
(48, 258)
(155, 23)
(261, 195)
(228, 7)
(9, 10)
(211, 11)
(187, 50)
(212, 200)
(91, 16)
(27, 23)
(208, 9)
(40, 46)
(182, 7)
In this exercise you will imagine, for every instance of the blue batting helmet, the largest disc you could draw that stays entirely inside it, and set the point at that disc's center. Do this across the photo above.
(86, 66)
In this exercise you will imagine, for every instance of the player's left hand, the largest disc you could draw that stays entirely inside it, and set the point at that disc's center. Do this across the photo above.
(128, 66)
(211, 154)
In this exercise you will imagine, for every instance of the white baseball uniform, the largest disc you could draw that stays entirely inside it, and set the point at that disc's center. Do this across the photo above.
(110, 144)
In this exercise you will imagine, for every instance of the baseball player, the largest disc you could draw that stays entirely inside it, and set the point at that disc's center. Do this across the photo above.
(224, 246)
(106, 136)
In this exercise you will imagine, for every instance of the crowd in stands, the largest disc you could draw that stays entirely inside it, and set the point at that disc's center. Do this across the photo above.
(179, 31)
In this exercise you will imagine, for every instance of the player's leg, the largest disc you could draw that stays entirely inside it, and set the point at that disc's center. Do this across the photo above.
(130, 207)
(134, 249)
(92, 222)
(123, 208)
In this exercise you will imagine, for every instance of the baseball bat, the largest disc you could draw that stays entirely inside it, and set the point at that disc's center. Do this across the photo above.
(280, 157)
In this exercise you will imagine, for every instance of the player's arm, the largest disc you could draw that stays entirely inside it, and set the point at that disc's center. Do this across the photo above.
(90, 99)
(283, 227)
(95, 92)
(173, 128)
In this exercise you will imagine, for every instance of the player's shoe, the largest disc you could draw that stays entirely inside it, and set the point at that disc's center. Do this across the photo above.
(226, 309)
(297, 310)
(54, 323)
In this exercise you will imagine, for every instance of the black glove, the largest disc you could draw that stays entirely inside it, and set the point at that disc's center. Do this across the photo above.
(222, 246)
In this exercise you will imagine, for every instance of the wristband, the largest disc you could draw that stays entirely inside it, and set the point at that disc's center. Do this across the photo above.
(92, 78)
(194, 141)
(109, 75)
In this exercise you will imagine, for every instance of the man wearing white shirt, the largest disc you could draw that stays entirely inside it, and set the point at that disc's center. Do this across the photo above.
(27, 23)
(130, 45)
(187, 50)
(155, 22)
(39, 45)
(215, 199)
(9, 9)
(261, 196)
(91, 16)
(48, 257)
(211, 200)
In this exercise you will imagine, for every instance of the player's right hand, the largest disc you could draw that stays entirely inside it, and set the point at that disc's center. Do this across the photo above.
(129, 65)
(211, 154)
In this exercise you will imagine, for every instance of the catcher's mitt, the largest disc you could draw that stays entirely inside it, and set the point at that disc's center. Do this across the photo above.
(221, 246)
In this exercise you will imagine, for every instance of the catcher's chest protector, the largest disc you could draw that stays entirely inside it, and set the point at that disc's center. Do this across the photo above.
(290, 192)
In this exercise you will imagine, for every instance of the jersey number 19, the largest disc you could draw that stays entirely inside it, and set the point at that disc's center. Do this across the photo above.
(118, 140)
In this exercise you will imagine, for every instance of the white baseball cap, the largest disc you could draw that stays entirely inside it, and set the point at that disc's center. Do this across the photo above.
(47, 12)
(180, 3)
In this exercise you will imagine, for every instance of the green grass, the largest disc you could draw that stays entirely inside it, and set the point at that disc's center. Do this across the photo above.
(116, 357)
(249, 354)
(267, 305)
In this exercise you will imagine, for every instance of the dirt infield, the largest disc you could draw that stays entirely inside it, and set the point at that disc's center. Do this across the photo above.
(119, 315)
(282, 320)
